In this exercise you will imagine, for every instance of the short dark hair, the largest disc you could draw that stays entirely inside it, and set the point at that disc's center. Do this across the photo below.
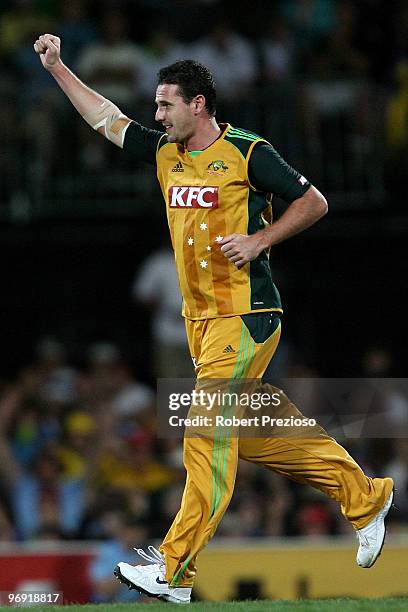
(193, 79)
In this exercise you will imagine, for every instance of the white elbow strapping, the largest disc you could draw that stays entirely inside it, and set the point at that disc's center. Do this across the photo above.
(108, 116)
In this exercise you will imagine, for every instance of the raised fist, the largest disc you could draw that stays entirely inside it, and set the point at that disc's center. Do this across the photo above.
(48, 48)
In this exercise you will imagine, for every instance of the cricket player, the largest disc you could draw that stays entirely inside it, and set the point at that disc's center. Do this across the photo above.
(215, 180)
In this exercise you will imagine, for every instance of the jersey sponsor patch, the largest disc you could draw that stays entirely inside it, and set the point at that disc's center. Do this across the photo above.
(193, 197)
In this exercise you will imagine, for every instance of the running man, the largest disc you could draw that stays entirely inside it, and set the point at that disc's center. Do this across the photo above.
(216, 180)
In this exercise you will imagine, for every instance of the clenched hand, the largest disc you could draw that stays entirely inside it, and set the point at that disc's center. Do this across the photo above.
(48, 48)
(241, 249)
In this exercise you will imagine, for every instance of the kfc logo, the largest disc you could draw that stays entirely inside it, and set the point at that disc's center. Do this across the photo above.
(193, 197)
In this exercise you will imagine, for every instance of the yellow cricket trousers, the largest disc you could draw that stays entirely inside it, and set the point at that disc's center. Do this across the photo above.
(238, 348)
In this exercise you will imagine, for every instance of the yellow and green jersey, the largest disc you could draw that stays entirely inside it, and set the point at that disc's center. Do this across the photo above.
(210, 194)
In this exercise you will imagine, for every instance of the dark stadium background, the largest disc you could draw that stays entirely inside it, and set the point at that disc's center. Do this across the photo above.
(344, 288)
(74, 234)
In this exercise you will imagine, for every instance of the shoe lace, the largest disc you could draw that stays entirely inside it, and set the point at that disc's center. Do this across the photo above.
(363, 540)
(155, 555)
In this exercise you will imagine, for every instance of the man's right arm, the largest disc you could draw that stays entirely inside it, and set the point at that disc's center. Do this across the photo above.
(101, 114)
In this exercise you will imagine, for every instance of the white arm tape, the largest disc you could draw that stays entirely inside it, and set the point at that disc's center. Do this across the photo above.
(111, 119)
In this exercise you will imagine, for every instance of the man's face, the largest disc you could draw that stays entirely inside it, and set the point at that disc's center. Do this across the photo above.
(174, 114)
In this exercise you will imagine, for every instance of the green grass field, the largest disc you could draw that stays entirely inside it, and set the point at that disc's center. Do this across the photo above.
(327, 605)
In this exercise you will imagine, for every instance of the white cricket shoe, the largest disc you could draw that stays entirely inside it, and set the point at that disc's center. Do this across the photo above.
(371, 537)
(151, 579)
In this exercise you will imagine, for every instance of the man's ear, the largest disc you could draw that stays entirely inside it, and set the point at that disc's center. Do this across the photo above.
(199, 104)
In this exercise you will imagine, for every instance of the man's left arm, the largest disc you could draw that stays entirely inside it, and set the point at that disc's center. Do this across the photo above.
(268, 172)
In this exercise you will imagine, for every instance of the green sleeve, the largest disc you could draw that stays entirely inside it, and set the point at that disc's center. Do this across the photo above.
(268, 172)
(141, 142)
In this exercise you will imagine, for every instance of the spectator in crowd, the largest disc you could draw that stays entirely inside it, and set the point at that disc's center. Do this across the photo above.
(168, 506)
(40, 499)
(387, 410)
(58, 379)
(313, 520)
(337, 54)
(112, 393)
(156, 286)
(232, 60)
(103, 360)
(121, 534)
(126, 465)
(78, 450)
(246, 516)
(133, 401)
(278, 90)
(38, 121)
(309, 19)
(277, 52)
(29, 414)
(278, 504)
(336, 103)
(75, 29)
(161, 49)
(110, 64)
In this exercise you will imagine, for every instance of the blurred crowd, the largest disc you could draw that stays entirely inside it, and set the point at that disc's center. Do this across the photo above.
(308, 74)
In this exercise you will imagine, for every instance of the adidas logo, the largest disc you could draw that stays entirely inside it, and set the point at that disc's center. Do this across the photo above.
(178, 167)
(228, 349)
